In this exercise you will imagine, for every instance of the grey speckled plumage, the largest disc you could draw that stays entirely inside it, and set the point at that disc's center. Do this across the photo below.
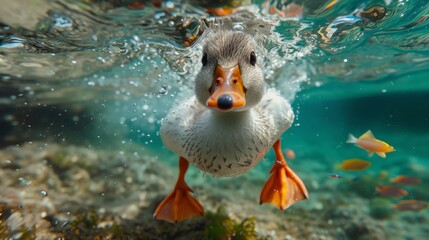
(227, 143)
(227, 52)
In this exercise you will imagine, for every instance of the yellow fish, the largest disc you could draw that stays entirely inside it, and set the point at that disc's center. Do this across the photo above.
(368, 142)
(353, 165)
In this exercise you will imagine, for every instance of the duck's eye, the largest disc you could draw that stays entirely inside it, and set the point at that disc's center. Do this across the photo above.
(204, 59)
(253, 58)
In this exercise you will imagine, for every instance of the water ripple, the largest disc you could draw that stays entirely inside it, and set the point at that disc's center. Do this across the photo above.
(95, 46)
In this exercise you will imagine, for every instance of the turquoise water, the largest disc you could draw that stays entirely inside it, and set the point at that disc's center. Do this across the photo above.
(101, 75)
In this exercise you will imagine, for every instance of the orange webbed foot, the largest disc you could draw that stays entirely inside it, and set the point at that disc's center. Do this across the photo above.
(178, 206)
(284, 187)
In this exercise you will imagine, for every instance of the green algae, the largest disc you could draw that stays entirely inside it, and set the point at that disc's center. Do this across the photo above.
(85, 222)
(213, 225)
(221, 226)
(59, 158)
(91, 225)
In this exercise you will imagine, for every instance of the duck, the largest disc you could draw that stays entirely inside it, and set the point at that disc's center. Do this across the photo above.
(228, 126)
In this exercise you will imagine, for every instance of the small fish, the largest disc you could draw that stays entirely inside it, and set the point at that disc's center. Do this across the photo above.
(290, 154)
(353, 165)
(405, 180)
(220, 11)
(288, 11)
(387, 191)
(329, 5)
(411, 205)
(368, 142)
(333, 175)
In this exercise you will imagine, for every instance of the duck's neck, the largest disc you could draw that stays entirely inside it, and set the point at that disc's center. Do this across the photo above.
(230, 117)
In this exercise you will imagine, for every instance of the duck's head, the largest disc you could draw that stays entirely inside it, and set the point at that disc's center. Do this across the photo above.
(230, 78)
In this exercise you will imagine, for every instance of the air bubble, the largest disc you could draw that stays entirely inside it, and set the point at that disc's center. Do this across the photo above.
(24, 181)
(163, 90)
(43, 193)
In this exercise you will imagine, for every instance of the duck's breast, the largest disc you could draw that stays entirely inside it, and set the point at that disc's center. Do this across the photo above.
(226, 144)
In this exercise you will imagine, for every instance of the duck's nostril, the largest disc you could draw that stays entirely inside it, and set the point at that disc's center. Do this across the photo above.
(224, 101)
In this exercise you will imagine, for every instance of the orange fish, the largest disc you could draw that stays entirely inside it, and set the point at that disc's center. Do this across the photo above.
(387, 191)
(220, 11)
(330, 5)
(288, 11)
(405, 180)
(136, 5)
(290, 154)
(368, 142)
(411, 205)
(353, 165)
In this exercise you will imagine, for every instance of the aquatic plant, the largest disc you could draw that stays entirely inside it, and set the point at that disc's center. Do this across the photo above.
(90, 224)
(58, 158)
(86, 221)
(221, 226)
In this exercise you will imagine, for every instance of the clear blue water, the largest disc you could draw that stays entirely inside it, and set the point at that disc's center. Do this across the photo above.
(102, 74)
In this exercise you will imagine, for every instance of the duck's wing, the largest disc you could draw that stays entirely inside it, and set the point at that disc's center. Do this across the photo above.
(278, 112)
(175, 126)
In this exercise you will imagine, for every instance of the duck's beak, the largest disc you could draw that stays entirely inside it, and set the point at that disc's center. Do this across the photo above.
(227, 91)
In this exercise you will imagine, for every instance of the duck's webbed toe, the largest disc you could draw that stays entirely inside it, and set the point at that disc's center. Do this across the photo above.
(178, 206)
(284, 187)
